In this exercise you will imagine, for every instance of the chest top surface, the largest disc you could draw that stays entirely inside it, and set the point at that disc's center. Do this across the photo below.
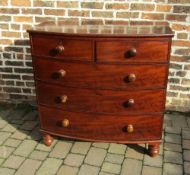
(102, 30)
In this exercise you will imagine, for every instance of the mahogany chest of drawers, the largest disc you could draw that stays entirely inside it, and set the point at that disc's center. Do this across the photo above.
(101, 83)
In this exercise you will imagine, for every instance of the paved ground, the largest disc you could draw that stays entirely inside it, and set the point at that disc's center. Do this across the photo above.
(23, 153)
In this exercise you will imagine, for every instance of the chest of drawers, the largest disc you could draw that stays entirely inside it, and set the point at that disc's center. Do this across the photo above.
(101, 83)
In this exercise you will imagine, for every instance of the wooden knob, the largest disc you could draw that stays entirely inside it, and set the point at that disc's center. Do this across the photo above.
(131, 102)
(131, 77)
(130, 128)
(65, 123)
(61, 73)
(59, 49)
(63, 98)
(132, 52)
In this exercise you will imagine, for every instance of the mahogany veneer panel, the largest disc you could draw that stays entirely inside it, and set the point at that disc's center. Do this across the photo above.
(101, 127)
(101, 101)
(119, 51)
(101, 76)
(73, 49)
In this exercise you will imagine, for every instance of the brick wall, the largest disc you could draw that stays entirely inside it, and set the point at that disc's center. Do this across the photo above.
(16, 76)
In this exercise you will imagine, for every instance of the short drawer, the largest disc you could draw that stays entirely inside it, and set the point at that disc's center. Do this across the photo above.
(62, 48)
(116, 77)
(101, 127)
(132, 51)
(101, 101)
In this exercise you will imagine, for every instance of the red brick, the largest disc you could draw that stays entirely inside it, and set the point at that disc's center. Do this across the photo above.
(11, 34)
(92, 21)
(41, 3)
(182, 35)
(185, 82)
(163, 8)
(5, 41)
(162, 23)
(92, 5)
(20, 2)
(179, 58)
(181, 9)
(127, 15)
(3, 2)
(4, 26)
(68, 4)
(153, 16)
(26, 26)
(15, 26)
(179, 27)
(5, 18)
(78, 13)
(9, 11)
(103, 14)
(54, 12)
(182, 51)
(179, 1)
(32, 11)
(66, 21)
(117, 6)
(141, 23)
(43, 19)
(23, 18)
(176, 17)
(187, 67)
(116, 22)
(181, 43)
(142, 7)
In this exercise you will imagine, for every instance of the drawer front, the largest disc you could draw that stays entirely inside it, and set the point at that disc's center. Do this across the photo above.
(101, 101)
(117, 77)
(62, 48)
(101, 127)
(132, 51)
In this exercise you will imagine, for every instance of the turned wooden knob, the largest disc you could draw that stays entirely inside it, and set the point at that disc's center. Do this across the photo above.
(130, 128)
(61, 73)
(59, 49)
(65, 123)
(131, 102)
(132, 52)
(131, 77)
(63, 99)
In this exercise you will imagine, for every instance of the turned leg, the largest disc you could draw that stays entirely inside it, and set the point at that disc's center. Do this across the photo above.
(153, 149)
(48, 139)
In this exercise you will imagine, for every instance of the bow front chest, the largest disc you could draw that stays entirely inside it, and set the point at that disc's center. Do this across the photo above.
(101, 83)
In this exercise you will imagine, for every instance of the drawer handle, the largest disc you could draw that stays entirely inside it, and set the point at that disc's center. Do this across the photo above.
(59, 49)
(63, 99)
(65, 123)
(131, 53)
(129, 128)
(129, 103)
(61, 73)
(131, 77)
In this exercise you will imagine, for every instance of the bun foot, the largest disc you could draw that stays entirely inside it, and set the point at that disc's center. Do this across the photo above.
(47, 139)
(153, 149)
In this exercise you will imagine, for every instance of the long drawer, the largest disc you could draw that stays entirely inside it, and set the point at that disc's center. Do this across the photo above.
(101, 101)
(132, 51)
(62, 48)
(101, 127)
(117, 77)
